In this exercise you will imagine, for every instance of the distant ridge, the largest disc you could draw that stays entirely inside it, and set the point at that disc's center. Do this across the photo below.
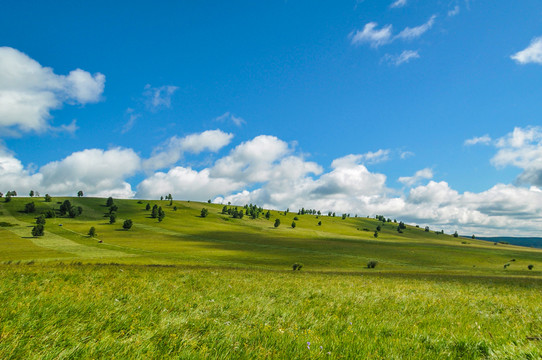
(535, 242)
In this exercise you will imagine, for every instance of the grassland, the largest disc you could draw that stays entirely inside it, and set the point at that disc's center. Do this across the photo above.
(218, 287)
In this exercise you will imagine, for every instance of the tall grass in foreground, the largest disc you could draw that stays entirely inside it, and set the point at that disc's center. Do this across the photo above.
(92, 311)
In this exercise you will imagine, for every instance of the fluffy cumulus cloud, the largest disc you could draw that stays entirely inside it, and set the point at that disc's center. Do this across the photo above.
(522, 148)
(29, 91)
(531, 54)
(170, 152)
(398, 3)
(96, 172)
(267, 171)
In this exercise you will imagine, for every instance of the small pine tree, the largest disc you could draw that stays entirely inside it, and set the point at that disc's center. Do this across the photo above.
(148, 207)
(204, 212)
(319, 223)
(456, 234)
(293, 224)
(277, 223)
(375, 234)
(112, 218)
(109, 202)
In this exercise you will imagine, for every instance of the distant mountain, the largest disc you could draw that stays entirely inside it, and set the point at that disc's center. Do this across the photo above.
(535, 242)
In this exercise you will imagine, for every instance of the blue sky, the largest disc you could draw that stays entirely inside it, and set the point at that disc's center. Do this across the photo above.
(423, 111)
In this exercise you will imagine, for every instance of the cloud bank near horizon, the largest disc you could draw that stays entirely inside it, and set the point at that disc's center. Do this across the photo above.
(267, 171)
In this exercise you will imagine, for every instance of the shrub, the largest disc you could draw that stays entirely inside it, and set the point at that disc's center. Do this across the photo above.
(506, 265)
(297, 266)
(50, 214)
(375, 234)
(204, 212)
(277, 223)
(530, 266)
(378, 228)
(296, 218)
(112, 218)
(127, 224)
(48, 198)
(372, 264)
(319, 223)
(37, 230)
(30, 207)
(92, 231)
(40, 220)
(293, 224)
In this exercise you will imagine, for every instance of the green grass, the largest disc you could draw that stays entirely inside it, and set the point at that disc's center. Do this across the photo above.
(218, 287)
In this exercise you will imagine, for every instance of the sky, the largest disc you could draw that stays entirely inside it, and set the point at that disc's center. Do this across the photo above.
(427, 112)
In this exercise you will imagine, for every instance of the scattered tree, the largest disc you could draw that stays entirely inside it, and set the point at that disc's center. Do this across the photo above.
(297, 266)
(40, 220)
(267, 214)
(277, 222)
(161, 198)
(38, 230)
(456, 234)
(48, 198)
(148, 207)
(92, 231)
(65, 207)
(154, 213)
(378, 228)
(204, 212)
(127, 224)
(112, 218)
(530, 266)
(372, 264)
(109, 202)
(31, 193)
(375, 234)
(8, 198)
(293, 224)
(50, 214)
(319, 223)
(209, 201)
(30, 207)
(113, 209)
(427, 229)
(473, 237)
(175, 208)
(80, 193)
(1, 194)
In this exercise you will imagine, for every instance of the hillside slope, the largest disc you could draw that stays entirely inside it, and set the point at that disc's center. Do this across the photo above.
(184, 237)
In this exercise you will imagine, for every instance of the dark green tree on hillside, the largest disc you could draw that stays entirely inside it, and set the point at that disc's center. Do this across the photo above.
(154, 213)
(40, 220)
(112, 218)
(127, 224)
(80, 193)
(204, 212)
(277, 223)
(65, 207)
(38, 230)
(48, 198)
(375, 234)
(109, 202)
(267, 214)
(148, 207)
(50, 214)
(456, 234)
(30, 207)
(293, 224)
(92, 232)
(31, 193)
(113, 208)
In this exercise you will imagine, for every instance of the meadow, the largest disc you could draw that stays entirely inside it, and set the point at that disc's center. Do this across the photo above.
(193, 287)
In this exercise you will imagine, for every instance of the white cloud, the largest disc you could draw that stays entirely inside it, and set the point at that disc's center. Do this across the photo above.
(531, 54)
(29, 91)
(159, 97)
(485, 140)
(371, 35)
(186, 183)
(96, 172)
(168, 154)
(398, 3)
(415, 32)
(455, 11)
(406, 154)
(227, 116)
(402, 58)
(418, 176)
(522, 148)
(252, 160)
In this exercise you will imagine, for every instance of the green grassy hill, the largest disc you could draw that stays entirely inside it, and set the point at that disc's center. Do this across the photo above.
(217, 287)
(184, 237)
